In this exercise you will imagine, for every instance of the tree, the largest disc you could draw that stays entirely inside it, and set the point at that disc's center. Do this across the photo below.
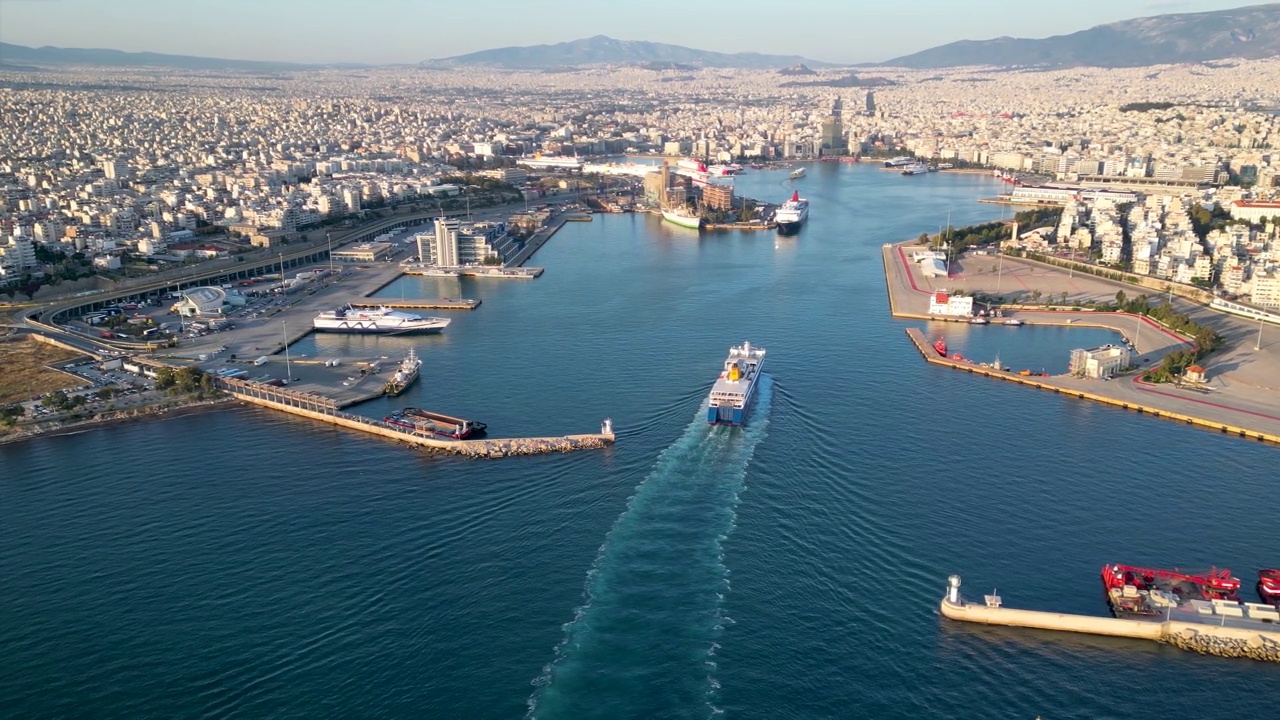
(58, 400)
(9, 414)
(1120, 297)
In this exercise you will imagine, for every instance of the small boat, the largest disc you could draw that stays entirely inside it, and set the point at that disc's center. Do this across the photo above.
(1269, 586)
(940, 345)
(1013, 322)
(797, 173)
(978, 321)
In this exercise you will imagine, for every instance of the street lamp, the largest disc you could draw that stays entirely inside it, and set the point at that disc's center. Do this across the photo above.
(1257, 345)
(288, 367)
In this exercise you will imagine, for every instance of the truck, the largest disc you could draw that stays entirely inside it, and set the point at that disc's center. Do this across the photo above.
(261, 361)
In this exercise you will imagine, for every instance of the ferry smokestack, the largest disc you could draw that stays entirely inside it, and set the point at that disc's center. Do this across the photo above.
(953, 589)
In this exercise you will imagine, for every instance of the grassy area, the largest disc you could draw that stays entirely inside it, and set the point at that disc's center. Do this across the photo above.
(23, 373)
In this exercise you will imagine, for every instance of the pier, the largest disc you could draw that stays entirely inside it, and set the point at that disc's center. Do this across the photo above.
(441, 304)
(1253, 639)
(1045, 383)
(318, 407)
(490, 271)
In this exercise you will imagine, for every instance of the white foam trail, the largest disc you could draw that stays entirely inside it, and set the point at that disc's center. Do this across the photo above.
(652, 599)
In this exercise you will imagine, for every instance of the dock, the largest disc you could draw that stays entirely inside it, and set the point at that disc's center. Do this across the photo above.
(1044, 383)
(490, 271)
(318, 407)
(1255, 640)
(441, 304)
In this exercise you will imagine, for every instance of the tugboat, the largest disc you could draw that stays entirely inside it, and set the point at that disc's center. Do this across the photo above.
(405, 375)
(1269, 586)
(940, 345)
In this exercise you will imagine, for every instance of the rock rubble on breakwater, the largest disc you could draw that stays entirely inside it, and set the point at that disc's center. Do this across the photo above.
(1206, 642)
(528, 446)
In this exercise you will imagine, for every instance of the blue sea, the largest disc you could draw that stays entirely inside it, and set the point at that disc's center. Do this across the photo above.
(243, 563)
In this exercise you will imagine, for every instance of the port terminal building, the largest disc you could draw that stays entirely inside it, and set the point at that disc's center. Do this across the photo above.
(452, 243)
(364, 253)
(949, 305)
(1100, 362)
(206, 301)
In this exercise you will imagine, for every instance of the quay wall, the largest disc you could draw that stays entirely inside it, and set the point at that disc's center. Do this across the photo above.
(932, 357)
(494, 448)
(1263, 645)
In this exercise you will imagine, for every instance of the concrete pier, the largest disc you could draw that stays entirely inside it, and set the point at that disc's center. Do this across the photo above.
(441, 304)
(1261, 643)
(316, 407)
(1057, 386)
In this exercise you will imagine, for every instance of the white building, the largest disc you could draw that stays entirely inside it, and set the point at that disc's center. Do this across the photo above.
(943, 303)
(1253, 210)
(1099, 362)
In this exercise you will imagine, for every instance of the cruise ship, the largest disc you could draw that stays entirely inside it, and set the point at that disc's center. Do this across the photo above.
(792, 214)
(381, 320)
(731, 395)
(405, 375)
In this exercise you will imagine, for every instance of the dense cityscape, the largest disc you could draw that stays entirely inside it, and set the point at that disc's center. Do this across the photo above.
(105, 170)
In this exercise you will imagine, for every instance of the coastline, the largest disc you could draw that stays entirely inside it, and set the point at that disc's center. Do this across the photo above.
(179, 409)
(1242, 411)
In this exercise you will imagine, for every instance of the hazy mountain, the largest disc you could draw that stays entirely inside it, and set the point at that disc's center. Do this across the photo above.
(601, 50)
(1247, 32)
(797, 69)
(47, 55)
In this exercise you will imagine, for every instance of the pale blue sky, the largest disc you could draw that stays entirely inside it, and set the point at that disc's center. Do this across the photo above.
(391, 31)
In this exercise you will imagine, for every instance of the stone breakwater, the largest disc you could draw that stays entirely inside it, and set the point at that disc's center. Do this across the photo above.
(529, 446)
(1211, 641)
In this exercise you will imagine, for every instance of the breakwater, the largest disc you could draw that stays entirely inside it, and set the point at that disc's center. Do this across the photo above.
(320, 408)
(931, 356)
(1255, 643)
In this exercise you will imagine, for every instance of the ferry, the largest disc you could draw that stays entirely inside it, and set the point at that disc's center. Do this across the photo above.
(791, 214)
(683, 218)
(797, 173)
(733, 391)
(405, 375)
(381, 320)
(899, 162)
(915, 169)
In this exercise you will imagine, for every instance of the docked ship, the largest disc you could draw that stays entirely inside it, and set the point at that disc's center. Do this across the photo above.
(444, 425)
(1134, 591)
(899, 162)
(733, 391)
(915, 169)
(792, 214)
(381, 320)
(797, 173)
(683, 218)
(940, 346)
(1013, 322)
(1269, 586)
(405, 375)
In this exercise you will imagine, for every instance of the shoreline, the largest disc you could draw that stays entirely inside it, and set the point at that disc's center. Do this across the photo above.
(1255, 419)
(116, 417)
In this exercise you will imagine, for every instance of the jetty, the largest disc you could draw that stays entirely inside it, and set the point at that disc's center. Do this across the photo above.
(1213, 631)
(420, 304)
(932, 357)
(318, 407)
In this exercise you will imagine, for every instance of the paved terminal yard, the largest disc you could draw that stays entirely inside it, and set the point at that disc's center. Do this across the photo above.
(1244, 384)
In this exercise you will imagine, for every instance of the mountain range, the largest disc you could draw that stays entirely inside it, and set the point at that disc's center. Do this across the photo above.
(602, 50)
(1248, 32)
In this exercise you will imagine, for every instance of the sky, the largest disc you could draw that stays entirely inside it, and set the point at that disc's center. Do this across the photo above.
(408, 31)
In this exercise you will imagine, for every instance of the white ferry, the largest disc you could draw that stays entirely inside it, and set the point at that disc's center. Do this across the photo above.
(381, 320)
(791, 214)
(797, 173)
(733, 391)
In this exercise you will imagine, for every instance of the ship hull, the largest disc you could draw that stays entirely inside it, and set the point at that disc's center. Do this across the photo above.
(395, 389)
(355, 330)
(693, 223)
(789, 227)
(732, 416)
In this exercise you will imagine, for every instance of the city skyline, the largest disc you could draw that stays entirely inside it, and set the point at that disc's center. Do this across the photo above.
(737, 27)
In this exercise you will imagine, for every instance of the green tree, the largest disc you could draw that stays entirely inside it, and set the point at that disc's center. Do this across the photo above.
(9, 414)
(1120, 298)
(58, 400)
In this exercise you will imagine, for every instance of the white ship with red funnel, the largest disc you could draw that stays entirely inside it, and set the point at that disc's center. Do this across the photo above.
(791, 214)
